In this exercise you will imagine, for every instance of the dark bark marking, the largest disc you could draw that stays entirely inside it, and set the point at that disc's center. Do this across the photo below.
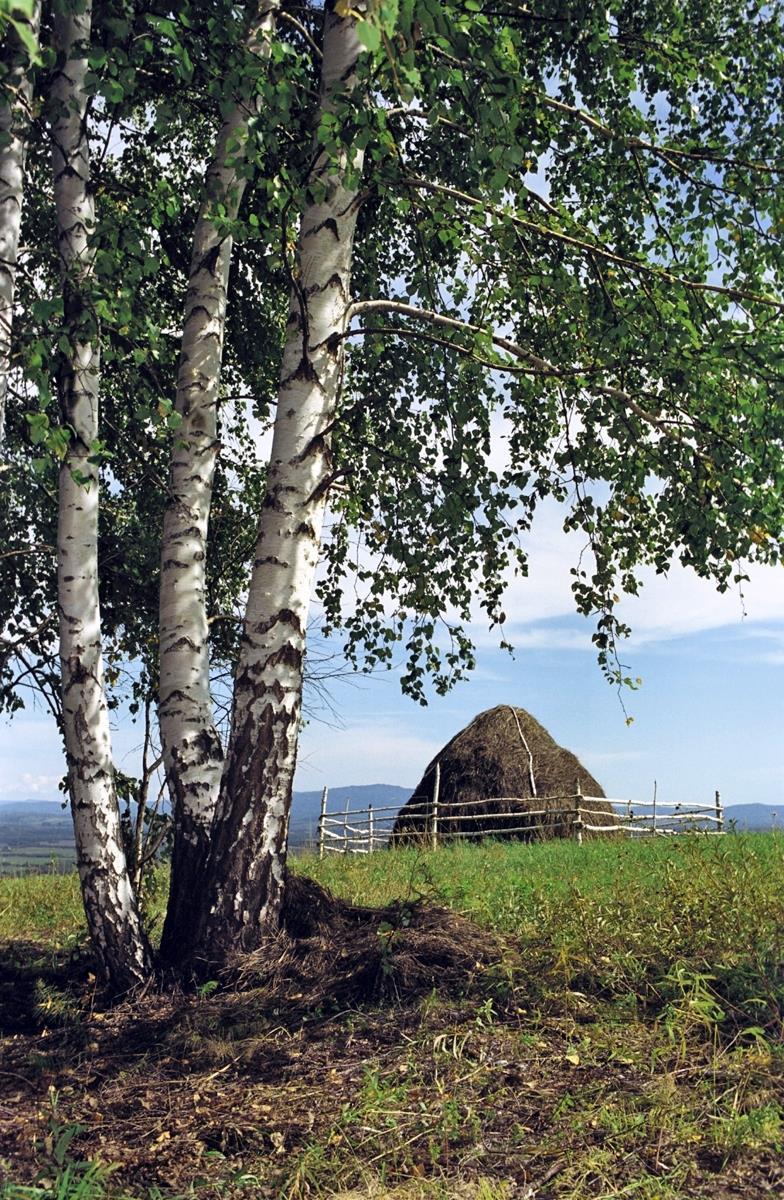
(288, 655)
(304, 370)
(210, 260)
(184, 641)
(329, 223)
(269, 559)
(271, 501)
(284, 617)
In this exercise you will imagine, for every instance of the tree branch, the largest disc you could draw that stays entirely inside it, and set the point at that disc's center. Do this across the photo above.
(538, 366)
(591, 248)
(638, 143)
(286, 16)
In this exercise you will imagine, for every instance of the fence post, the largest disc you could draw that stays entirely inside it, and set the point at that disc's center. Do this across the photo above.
(578, 818)
(321, 822)
(345, 825)
(653, 818)
(370, 828)
(434, 811)
(719, 814)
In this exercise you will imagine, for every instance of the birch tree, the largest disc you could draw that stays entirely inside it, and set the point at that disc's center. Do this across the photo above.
(15, 115)
(110, 904)
(192, 745)
(248, 838)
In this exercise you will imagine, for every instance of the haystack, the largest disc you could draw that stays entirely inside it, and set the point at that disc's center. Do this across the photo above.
(504, 762)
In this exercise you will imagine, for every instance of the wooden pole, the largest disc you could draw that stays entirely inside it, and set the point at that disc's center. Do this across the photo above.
(578, 816)
(370, 828)
(434, 817)
(653, 818)
(345, 826)
(719, 813)
(322, 815)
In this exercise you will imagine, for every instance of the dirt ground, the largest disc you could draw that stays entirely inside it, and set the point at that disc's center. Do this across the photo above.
(239, 1093)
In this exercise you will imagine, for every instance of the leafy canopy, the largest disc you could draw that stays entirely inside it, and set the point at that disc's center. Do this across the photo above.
(568, 282)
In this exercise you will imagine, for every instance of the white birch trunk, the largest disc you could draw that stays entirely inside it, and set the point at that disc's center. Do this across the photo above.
(110, 904)
(193, 753)
(15, 112)
(247, 864)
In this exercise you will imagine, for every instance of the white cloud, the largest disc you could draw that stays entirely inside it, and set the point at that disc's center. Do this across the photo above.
(374, 749)
(764, 644)
(682, 603)
(38, 785)
(670, 606)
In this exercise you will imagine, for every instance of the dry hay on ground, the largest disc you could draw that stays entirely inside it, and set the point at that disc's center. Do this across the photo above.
(226, 1096)
(503, 762)
(250, 1074)
(328, 949)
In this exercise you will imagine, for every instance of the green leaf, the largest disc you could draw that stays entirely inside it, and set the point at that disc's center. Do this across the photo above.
(369, 35)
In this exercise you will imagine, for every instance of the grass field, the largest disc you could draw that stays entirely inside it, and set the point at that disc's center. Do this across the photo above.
(37, 859)
(628, 1043)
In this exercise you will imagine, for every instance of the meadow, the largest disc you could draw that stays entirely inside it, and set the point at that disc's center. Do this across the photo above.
(624, 1041)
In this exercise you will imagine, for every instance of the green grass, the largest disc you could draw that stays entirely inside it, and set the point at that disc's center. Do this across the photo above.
(46, 908)
(630, 1042)
(654, 920)
(665, 923)
(497, 881)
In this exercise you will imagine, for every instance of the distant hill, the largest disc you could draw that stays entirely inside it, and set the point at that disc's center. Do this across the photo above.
(39, 830)
(31, 808)
(45, 824)
(755, 816)
(34, 834)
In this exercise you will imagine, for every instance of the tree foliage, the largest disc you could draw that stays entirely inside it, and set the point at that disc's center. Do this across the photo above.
(566, 284)
(600, 187)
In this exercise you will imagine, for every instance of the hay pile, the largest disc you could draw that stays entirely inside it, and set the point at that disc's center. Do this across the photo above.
(330, 950)
(503, 753)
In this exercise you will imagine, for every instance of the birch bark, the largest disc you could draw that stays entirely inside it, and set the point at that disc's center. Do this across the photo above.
(193, 752)
(15, 113)
(248, 854)
(118, 939)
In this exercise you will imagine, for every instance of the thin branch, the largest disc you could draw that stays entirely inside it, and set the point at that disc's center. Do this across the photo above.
(591, 248)
(540, 365)
(286, 16)
(638, 143)
(434, 318)
(420, 335)
(50, 696)
(35, 549)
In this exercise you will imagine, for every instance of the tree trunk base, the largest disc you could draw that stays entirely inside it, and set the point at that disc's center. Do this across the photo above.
(328, 950)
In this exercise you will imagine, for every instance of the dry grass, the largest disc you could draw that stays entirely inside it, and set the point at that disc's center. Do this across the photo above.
(332, 951)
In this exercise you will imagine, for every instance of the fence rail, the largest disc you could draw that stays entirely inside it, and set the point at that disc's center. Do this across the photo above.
(365, 830)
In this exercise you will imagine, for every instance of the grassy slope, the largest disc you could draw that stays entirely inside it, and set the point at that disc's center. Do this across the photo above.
(631, 1044)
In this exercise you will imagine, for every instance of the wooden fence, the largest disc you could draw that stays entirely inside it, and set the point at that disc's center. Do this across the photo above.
(364, 830)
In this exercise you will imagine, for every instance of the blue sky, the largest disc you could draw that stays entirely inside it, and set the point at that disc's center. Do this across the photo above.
(709, 715)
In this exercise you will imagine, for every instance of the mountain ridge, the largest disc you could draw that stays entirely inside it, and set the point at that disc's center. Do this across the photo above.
(47, 823)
